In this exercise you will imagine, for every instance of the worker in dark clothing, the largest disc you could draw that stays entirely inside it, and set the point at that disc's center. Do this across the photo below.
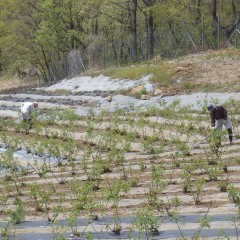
(219, 117)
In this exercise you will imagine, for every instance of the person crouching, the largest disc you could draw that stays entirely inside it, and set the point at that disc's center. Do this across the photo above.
(27, 109)
(219, 117)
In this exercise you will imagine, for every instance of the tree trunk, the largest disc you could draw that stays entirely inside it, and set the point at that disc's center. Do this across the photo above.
(133, 29)
(173, 33)
(199, 14)
(214, 19)
(150, 29)
(225, 30)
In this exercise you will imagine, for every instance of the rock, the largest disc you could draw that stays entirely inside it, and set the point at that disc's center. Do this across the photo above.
(145, 97)
(180, 69)
(158, 92)
(125, 108)
(101, 102)
(108, 98)
(150, 87)
(104, 100)
(137, 89)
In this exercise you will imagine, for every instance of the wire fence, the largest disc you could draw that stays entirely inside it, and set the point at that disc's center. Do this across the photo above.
(168, 43)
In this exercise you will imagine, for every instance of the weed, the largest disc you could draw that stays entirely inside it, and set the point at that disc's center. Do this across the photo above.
(234, 194)
(161, 73)
(147, 223)
(197, 192)
(17, 215)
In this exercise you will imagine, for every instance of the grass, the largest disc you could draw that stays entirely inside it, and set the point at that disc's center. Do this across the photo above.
(139, 94)
(62, 92)
(8, 81)
(190, 87)
(200, 87)
(227, 53)
(161, 73)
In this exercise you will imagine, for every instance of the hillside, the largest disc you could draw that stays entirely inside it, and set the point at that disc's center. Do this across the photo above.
(216, 71)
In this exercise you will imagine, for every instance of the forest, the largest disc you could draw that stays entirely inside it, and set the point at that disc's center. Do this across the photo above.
(60, 38)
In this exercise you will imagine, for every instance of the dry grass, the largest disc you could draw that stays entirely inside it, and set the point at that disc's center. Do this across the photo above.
(7, 82)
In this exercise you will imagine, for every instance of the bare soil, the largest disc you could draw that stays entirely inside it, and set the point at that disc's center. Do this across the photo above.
(216, 71)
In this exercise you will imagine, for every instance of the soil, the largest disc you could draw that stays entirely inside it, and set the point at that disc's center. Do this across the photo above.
(216, 71)
(137, 164)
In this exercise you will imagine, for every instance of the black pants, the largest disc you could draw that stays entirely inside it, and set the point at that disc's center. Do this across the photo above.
(230, 134)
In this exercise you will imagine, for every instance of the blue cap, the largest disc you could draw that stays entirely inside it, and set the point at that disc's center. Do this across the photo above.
(210, 107)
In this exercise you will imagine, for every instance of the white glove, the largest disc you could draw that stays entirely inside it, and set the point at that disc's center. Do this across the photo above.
(213, 128)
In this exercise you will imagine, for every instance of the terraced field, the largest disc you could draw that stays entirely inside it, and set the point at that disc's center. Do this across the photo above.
(116, 175)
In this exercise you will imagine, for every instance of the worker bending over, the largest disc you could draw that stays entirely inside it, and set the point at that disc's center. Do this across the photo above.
(219, 117)
(27, 109)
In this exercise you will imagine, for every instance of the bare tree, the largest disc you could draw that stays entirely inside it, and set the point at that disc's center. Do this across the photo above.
(228, 29)
(133, 29)
(149, 26)
(131, 8)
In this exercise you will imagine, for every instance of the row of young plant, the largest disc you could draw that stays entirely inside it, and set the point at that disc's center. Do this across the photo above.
(93, 161)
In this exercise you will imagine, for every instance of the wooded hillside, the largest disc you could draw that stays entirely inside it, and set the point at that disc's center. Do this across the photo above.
(60, 38)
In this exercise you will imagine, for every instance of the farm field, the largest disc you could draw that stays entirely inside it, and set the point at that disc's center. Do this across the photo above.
(107, 113)
(124, 174)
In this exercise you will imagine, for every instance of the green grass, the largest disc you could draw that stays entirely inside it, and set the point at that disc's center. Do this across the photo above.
(162, 73)
(209, 87)
(62, 91)
(139, 94)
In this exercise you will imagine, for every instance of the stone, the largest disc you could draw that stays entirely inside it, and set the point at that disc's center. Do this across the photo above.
(150, 87)
(158, 92)
(108, 98)
(137, 89)
(145, 97)
(180, 69)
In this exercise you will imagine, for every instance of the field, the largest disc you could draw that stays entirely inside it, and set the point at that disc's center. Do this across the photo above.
(119, 175)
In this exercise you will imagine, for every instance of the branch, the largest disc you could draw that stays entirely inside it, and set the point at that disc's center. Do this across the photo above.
(119, 5)
(35, 7)
(114, 18)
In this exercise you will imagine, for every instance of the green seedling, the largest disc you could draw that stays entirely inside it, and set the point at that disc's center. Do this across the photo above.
(147, 224)
(17, 215)
(197, 192)
(234, 194)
